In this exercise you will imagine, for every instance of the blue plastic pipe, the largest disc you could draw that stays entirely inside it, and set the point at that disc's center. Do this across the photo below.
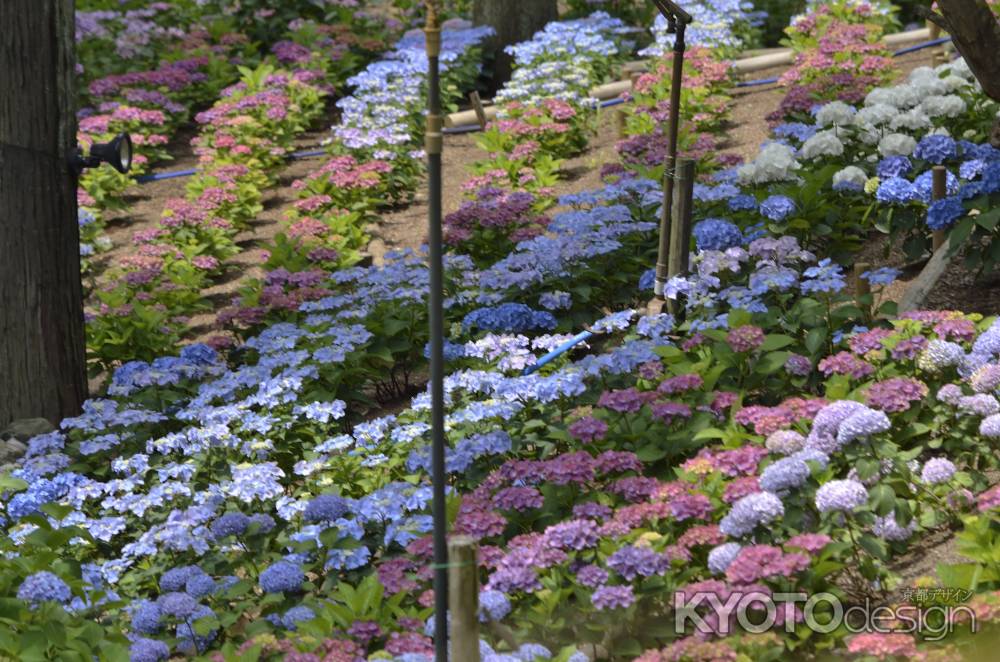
(919, 47)
(160, 176)
(559, 351)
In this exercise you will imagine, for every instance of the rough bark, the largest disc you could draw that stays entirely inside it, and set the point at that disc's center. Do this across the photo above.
(42, 355)
(514, 21)
(976, 33)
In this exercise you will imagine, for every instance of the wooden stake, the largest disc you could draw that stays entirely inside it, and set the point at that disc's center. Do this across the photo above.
(477, 105)
(620, 117)
(463, 598)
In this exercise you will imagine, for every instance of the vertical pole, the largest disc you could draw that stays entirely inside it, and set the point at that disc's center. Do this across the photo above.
(620, 123)
(477, 106)
(433, 144)
(939, 190)
(680, 230)
(671, 163)
(463, 593)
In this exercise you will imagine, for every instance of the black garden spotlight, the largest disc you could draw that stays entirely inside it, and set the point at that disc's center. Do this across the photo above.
(677, 22)
(117, 153)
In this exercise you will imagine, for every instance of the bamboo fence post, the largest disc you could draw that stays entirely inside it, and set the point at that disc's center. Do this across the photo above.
(680, 227)
(463, 598)
(477, 107)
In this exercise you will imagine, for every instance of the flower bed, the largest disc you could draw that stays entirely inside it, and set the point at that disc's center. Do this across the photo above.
(786, 436)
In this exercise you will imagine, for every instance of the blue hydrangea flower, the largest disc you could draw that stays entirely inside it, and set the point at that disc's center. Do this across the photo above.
(824, 277)
(493, 605)
(509, 318)
(174, 579)
(923, 185)
(936, 149)
(178, 605)
(230, 524)
(743, 202)
(146, 617)
(148, 650)
(716, 234)
(43, 586)
(326, 508)
(199, 586)
(841, 495)
(896, 190)
(281, 577)
(893, 166)
(882, 276)
(777, 207)
(942, 213)
(786, 474)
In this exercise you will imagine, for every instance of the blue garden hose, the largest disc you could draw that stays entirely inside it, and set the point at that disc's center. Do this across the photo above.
(160, 176)
(559, 351)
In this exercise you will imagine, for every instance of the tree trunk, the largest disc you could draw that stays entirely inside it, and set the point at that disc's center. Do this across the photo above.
(514, 21)
(42, 352)
(976, 32)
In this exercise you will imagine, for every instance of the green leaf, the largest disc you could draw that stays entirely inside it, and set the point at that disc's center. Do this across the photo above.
(772, 363)
(959, 575)
(873, 546)
(815, 339)
(883, 499)
(776, 341)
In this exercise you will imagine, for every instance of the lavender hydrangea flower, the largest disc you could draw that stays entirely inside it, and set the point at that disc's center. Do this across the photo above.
(990, 427)
(840, 495)
(882, 276)
(889, 529)
(786, 474)
(612, 597)
(940, 354)
(798, 365)
(937, 470)
(721, 556)
(750, 512)
(631, 562)
(785, 442)
(493, 605)
(862, 425)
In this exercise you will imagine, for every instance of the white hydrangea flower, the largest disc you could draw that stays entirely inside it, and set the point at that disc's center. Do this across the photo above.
(940, 131)
(896, 144)
(954, 83)
(823, 143)
(835, 113)
(958, 68)
(914, 119)
(867, 134)
(906, 96)
(943, 106)
(850, 175)
(775, 163)
(876, 115)
(880, 96)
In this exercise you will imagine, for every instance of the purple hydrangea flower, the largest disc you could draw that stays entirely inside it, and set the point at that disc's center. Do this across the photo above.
(574, 534)
(326, 508)
(148, 650)
(786, 474)
(230, 524)
(631, 562)
(889, 529)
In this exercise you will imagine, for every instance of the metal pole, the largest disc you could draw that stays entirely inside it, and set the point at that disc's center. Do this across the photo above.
(671, 163)
(680, 230)
(433, 144)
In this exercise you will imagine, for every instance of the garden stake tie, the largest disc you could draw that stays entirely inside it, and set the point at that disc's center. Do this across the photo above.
(433, 144)
(677, 21)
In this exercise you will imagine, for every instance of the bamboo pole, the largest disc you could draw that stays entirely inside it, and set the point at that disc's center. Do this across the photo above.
(680, 227)
(463, 598)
